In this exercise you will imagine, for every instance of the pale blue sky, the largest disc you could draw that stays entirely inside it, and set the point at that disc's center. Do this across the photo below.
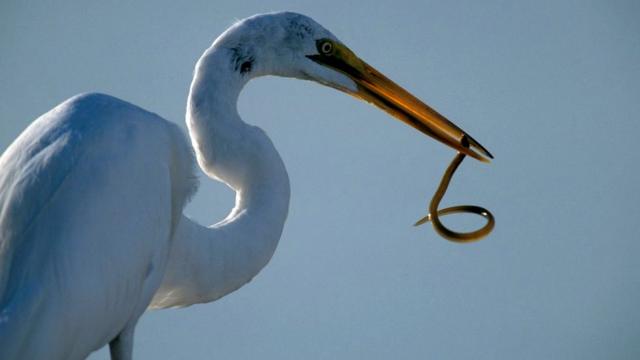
(552, 88)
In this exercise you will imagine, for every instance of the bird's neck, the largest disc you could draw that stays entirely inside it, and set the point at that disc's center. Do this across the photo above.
(209, 262)
(228, 149)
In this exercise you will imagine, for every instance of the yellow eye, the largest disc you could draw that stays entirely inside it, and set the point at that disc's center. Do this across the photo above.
(325, 47)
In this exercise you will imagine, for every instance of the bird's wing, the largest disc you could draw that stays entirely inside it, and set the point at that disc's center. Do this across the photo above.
(88, 196)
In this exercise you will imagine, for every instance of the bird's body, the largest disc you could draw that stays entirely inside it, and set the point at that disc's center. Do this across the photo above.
(92, 192)
(86, 167)
(73, 256)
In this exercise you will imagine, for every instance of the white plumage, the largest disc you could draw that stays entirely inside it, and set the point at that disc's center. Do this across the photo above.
(91, 195)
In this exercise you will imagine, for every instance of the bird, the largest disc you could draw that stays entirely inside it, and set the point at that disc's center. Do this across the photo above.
(92, 230)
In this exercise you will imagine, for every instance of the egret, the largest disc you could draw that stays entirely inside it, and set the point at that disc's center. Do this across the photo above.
(91, 193)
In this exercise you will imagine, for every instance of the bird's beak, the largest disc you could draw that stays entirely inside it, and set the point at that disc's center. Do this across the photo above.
(374, 87)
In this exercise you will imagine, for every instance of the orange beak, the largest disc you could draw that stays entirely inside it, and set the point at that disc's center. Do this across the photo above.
(375, 88)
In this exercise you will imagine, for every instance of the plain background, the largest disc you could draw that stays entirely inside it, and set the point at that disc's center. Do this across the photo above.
(550, 87)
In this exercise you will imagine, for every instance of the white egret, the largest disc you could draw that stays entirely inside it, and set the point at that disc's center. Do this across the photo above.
(91, 193)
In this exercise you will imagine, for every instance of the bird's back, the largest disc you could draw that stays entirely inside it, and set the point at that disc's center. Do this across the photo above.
(89, 195)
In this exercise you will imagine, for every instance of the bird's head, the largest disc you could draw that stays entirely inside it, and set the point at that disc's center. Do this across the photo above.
(294, 45)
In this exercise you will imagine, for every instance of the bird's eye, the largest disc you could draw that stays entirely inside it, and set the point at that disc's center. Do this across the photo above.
(326, 47)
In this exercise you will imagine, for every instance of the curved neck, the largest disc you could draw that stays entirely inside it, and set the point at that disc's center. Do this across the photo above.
(228, 149)
(208, 262)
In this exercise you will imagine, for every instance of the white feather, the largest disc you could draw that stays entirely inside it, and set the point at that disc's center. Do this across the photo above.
(91, 199)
